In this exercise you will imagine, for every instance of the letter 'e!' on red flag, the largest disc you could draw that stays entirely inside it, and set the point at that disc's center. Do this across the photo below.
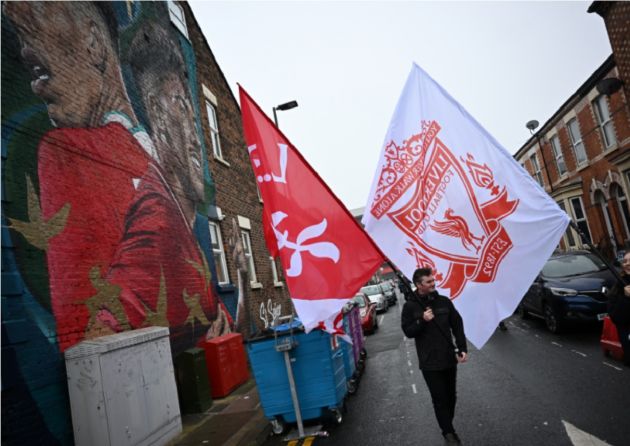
(324, 251)
(447, 196)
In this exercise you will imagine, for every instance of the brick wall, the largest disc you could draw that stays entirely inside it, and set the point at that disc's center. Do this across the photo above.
(108, 184)
(234, 169)
(605, 167)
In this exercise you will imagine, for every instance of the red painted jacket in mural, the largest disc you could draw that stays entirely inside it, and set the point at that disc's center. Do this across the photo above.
(163, 276)
(91, 171)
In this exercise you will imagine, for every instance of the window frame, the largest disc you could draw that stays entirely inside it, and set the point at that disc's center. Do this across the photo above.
(575, 143)
(568, 236)
(213, 124)
(556, 148)
(603, 124)
(536, 168)
(249, 255)
(179, 22)
(623, 206)
(221, 251)
(578, 221)
(274, 273)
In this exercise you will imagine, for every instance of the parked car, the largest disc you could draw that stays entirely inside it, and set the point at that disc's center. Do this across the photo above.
(367, 310)
(375, 294)
(388, 291)
(569, 288)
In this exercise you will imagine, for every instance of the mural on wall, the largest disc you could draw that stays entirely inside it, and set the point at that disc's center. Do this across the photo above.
(105, 187)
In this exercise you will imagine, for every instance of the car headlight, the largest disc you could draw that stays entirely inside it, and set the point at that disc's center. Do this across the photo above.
(563, 291)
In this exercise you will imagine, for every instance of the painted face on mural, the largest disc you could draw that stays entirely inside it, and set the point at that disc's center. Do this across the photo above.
(159, 73)
(61, 43)
(171, 116)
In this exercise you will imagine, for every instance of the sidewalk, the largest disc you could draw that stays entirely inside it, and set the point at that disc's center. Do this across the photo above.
(236, 420)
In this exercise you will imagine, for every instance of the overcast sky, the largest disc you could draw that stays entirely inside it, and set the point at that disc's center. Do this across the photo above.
(346, 63)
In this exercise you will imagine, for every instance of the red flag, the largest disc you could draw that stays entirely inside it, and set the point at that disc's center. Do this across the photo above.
(324, 251)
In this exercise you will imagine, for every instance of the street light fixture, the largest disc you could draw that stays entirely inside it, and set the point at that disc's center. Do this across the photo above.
(282, 107)
(533, 125)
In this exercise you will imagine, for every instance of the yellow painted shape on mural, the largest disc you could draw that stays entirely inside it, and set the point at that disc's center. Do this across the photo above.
(37, 231)
(158, 317)
(196, 311)
(107, 297)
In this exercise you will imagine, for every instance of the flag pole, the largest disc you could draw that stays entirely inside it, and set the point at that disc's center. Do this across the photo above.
(596, 251)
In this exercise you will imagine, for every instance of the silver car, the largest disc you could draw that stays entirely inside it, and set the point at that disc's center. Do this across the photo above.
(376, 295)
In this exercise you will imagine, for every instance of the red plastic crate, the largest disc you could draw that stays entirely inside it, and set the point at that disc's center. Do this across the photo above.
(226, 362)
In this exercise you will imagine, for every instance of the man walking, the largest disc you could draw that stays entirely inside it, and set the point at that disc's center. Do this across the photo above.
(432, 320)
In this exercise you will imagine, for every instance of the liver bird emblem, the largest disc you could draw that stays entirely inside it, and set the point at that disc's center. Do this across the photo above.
(456, 226)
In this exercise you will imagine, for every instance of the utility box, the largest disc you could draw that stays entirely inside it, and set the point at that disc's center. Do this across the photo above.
(122, 389)
(192, 381)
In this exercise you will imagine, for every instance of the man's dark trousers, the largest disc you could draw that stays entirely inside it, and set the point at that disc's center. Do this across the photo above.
(441, 384)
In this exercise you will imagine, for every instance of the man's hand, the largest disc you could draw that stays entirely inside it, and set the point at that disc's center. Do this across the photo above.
(462, 357)
(428, 314)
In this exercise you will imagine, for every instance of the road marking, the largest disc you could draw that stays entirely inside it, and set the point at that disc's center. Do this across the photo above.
(584, 355)
(308, 441)
(380, 321)
(538, 336)
(292, 443)
(413, 387)
(409, 363)
(613, 366)
(580, 438)
(556, 344)
(411, 372)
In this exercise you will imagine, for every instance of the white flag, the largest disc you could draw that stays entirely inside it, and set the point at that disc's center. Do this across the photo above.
(448, 196)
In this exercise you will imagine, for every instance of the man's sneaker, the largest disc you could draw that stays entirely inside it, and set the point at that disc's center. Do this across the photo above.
(452, 438)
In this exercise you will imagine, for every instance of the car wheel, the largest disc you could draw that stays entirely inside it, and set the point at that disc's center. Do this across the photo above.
(522, 312)
(552, 322)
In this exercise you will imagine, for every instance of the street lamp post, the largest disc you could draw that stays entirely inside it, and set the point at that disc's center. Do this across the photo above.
(532, 125)
(286, 106)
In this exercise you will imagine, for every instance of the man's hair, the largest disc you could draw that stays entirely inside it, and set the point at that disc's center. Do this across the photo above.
(420, 273)
(153, 49)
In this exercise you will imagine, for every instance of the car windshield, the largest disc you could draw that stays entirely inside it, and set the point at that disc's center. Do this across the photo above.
(572, 265)
(359, 300)
(371, 290)
(386, 285)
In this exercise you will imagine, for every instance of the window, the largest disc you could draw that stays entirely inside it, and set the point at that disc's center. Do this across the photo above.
(557, 153)
(274, 272)
(176, 13)
(536, 167)
(580, 217)
(214, 130)
(600, 199)
(622, 204)
(247, 247)
(569, 233)
(576, 140)
(218, 253)
(600, 105)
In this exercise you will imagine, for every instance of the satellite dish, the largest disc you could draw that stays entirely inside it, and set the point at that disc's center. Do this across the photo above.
(533, 124)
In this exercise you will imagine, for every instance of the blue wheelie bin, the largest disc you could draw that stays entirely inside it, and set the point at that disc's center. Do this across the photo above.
(318, 371)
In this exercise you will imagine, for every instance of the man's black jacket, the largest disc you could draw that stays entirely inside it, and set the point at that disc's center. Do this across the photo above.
(433, 339)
